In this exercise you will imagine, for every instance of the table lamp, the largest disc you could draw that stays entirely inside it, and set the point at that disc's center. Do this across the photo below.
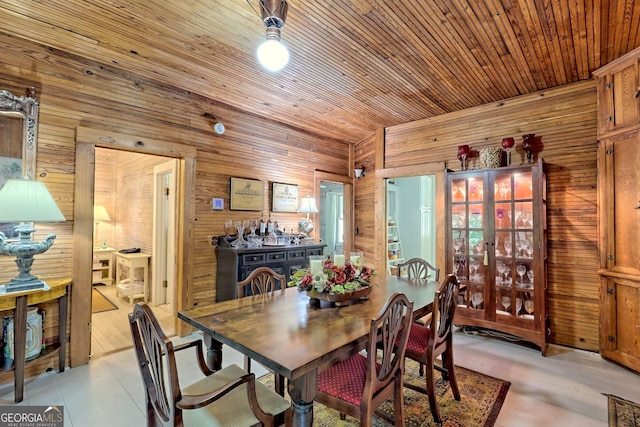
(99, 214)
(26, 201)
(307, 205)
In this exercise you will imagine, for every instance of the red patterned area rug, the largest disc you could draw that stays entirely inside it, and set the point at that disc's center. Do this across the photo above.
(622, 413)
(482, 397)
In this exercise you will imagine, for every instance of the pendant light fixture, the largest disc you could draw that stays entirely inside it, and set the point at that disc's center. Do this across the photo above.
(272, 54)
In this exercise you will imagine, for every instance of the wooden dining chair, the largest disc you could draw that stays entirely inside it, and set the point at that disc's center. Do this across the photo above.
(358, 385)
(426, 343)
(417, 268)
(228, 397)
(263, 281)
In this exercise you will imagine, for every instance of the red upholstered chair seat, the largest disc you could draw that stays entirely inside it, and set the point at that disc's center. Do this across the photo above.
(346, 379)
(358, 385)
(418, 338)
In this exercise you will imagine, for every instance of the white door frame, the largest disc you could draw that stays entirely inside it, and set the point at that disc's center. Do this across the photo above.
(163, 262)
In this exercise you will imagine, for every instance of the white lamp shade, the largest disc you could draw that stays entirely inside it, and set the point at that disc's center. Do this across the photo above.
(100, 214)
(308, 205)
(273, 55)
(24, 200)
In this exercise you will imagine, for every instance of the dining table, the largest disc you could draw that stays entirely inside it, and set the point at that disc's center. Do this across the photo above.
(293, 336)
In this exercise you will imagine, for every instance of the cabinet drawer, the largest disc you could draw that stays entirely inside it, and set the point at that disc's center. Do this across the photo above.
(297, 254)
(276, 256)
(254, 258)
(317, 251)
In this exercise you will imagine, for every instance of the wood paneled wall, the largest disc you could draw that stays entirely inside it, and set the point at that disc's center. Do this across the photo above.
(74, 92)
(565, 119)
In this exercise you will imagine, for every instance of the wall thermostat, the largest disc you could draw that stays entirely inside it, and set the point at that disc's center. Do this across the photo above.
(218, 128)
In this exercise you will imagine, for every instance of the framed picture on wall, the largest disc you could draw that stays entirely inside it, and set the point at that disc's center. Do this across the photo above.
(284, 197)
(246, 195)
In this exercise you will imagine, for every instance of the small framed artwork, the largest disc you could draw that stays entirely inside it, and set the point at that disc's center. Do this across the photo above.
(246, 194)
(284, 197)
(217, 204)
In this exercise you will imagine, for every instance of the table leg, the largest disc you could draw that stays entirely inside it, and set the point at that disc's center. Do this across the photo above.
(62, 331)
(303, 391)
(214, 353)
(19, 345)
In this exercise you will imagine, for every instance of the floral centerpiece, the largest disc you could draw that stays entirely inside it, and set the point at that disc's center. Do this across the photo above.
(332, 279)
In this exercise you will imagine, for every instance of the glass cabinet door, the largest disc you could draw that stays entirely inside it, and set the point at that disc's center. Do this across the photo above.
(514, 245)
(468, 240)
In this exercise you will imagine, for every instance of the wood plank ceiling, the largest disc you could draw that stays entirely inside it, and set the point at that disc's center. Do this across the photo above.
(356, 65)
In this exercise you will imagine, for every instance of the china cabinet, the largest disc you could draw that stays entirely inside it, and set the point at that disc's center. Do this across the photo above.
(497, 247)
(619, 208)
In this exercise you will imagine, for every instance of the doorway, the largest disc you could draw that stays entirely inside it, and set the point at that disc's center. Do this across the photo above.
(332, 218)
(411, 219)
(164, 233)
(139, 192)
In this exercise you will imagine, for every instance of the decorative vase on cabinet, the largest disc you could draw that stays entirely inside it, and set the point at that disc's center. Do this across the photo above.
(497, 247)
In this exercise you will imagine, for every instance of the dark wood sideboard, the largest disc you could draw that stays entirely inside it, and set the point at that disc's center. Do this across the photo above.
(234, 264)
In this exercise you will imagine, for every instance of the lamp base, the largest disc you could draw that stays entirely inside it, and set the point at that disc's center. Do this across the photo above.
(24, 250)
(22, 286)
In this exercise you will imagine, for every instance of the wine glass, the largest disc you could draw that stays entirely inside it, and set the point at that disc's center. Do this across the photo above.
(463, 152)
(530, 276)
(518, 305)
(476, 299)
(519, 247)
(502, 269)
(528, 305)
(508, 246)
(504, 190)
(507, 144)
(506, 303)
(528, 145)
(227, 226)
(474, 265)
(458, 244)
(521, 269)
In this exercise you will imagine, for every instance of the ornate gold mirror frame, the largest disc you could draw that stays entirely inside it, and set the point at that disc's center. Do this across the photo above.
(18, 132)
(18, 140)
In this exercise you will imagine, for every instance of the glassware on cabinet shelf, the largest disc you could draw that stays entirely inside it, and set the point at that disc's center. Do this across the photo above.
(505, 190)
(458, 245)
(474, 267)
(506, 303)
(518, 305)
(476, 300)
(507, 246)
(530, 277)
(528, 306)
(521, 269)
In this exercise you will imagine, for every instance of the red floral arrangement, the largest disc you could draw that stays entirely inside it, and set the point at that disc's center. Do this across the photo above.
(333, 278)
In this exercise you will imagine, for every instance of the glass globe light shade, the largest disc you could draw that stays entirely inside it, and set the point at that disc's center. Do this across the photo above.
(273, 55)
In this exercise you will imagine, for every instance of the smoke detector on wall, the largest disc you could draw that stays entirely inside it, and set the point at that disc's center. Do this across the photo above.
(218, 128)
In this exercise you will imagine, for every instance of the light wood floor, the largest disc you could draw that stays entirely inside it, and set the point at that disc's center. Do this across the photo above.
(563, 389)
(110, 329)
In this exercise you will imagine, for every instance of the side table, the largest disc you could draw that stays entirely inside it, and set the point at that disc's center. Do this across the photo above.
(133, 263)
(19, 301)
